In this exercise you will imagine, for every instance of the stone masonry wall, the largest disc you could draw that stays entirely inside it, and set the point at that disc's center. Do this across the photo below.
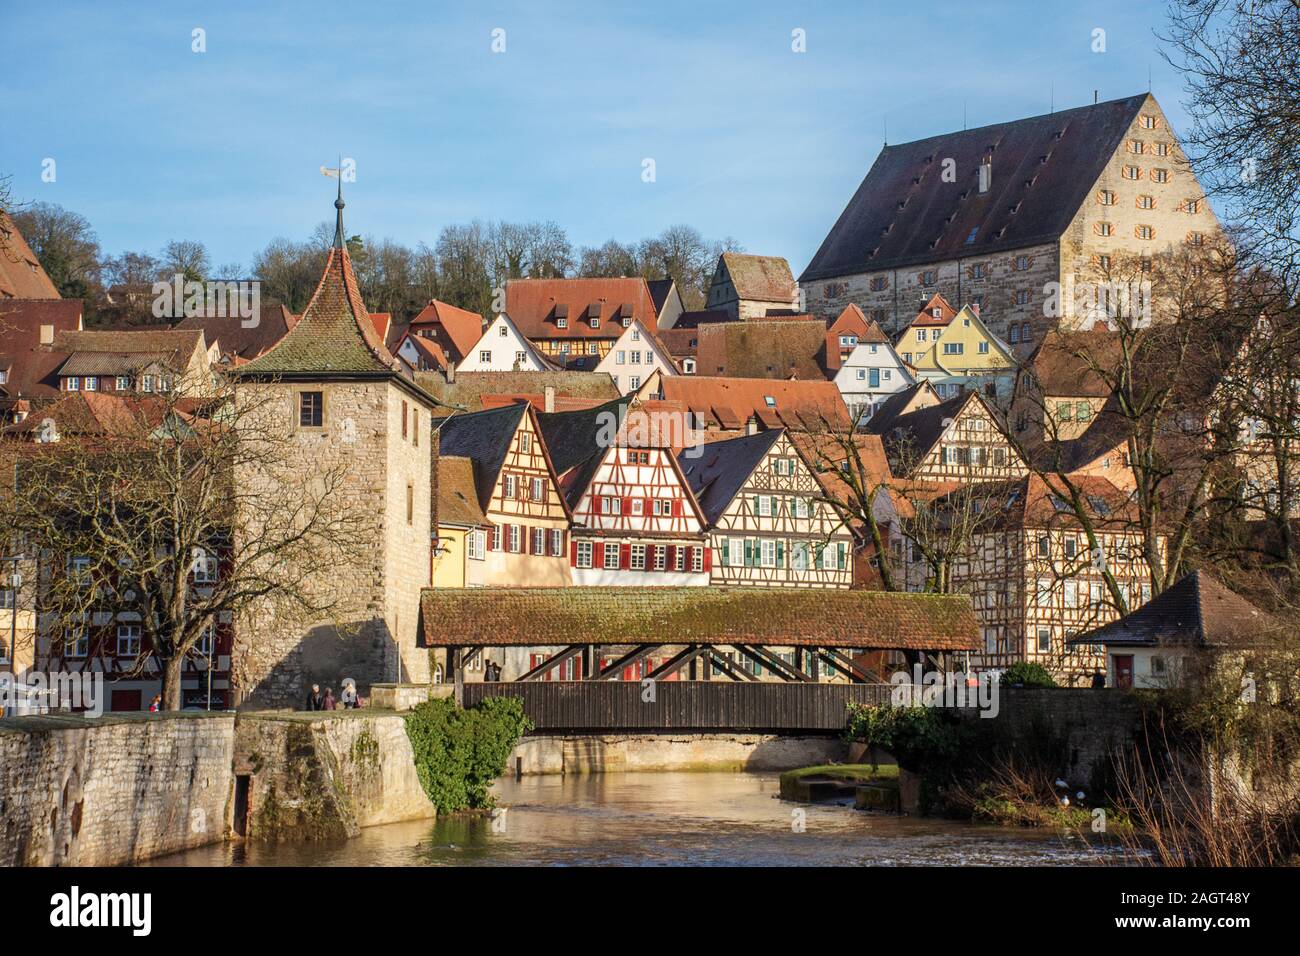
(113, 790)
(610, 753)
(317, 777)
(277, 655)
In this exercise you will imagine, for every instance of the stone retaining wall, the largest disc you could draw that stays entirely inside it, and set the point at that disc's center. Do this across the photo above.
(116, 789)
(609, 753)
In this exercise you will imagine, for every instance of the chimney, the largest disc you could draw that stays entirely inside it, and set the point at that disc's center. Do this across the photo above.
(451, 373)
(548, 398)
(47, 335)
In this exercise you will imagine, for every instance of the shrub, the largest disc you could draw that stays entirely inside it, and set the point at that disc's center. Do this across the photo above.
(916, 736)
(1027, 674)
(458, 753)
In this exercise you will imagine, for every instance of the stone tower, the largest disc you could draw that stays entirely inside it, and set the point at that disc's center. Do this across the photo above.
(347, 410)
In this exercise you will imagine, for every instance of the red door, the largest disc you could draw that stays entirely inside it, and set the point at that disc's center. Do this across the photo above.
(1123, 669)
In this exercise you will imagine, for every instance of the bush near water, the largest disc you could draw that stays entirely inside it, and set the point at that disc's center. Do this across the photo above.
(460, 751)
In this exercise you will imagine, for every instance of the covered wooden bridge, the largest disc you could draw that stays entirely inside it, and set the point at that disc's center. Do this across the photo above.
(734, 658)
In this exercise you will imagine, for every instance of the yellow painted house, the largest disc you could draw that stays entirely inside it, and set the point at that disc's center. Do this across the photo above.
(958, 352)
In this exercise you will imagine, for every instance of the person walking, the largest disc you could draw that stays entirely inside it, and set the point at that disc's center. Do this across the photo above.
(329, 703)
(349, 696)
(314, 699)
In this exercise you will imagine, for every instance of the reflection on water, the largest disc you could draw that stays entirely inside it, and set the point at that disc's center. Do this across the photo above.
(699, 819)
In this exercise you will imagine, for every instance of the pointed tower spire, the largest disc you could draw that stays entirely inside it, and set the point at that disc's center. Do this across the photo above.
(339, 242)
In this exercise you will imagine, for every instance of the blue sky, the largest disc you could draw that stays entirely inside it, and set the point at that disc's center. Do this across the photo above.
(154, 142)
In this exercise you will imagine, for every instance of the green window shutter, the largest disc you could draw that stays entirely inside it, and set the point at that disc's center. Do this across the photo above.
(726, 551)
(840, 549)
(753, 505)
(749, 553)
(780, 554)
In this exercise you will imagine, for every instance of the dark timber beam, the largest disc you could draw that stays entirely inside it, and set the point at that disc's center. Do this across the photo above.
(779, 667)
(846, 666)
(677, 662)
(627, 660)
(573, 650)
(728, 667)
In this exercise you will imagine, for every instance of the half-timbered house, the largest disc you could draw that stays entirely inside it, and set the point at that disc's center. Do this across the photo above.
(635, 520)
(524, 540)
(960, 439)
(767, 526)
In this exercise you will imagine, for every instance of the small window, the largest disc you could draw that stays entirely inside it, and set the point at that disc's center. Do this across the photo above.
(311, 409)
(1132, 172)
(410, 504)
(1160, 175)
(485, 356)
(584, 547)
(1146, 202)
(1144, 232)
(1103, 228)
(611, 557)
(1106, 197)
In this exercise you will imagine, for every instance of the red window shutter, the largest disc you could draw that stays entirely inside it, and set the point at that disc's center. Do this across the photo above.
(671, 562)
(625, 557)
(627, 505)
(647, 508)
(650, 557)
(598, 555)
(708, 559)
(595, 504)
(573, 554)
(677, 507)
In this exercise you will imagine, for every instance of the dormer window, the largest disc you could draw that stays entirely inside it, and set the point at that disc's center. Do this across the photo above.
(561, 316)
(593, 315)
(769, 401)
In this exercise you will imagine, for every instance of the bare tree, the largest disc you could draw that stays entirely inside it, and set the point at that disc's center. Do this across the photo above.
(187, 258)
(153, 521)
(1240, 60)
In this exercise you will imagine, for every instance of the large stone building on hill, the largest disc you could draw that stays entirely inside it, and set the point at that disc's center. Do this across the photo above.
(994, 216)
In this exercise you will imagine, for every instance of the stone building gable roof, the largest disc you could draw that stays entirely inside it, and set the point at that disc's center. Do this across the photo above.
(719, 615)
(904, 214)
(21, 274)
(761, 349)
(484, 438)
(761, 278)
(457, 497)
(1197, 611)
(335, 335)
(718, 470)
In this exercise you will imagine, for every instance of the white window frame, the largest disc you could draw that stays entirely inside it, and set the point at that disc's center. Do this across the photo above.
(131, 634)
(585, 550)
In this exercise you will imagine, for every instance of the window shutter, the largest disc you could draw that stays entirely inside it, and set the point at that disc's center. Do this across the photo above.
(625, 556)
(708, 559)
(650, 557)
(595, 504)
(573, 554)
(627, 505)
(598, 554)
(726, 551)
(677, 507)
(647, 508)
(670, 557)
(749, 553)
(839, 549)
(780, 554)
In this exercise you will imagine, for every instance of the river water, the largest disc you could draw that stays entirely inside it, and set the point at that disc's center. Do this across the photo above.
(698, 819)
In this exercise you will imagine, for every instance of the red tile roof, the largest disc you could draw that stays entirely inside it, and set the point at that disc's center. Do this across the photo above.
(927, 317)
(29, 366)
(21, 273)
(763, 349)
(455, 330)
(532, 305)
(538, 617)
(730, 402)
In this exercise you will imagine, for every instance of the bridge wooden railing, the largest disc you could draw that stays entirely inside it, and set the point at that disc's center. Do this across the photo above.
(556, 706)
